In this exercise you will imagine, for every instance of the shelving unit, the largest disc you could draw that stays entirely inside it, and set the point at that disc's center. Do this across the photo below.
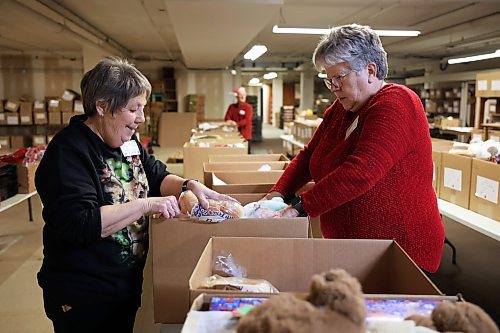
(488, 102)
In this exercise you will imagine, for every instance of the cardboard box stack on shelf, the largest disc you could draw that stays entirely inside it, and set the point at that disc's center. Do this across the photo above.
(303, 129)
(466, 181)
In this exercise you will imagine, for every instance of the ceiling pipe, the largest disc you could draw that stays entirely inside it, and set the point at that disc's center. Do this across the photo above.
(75, 30)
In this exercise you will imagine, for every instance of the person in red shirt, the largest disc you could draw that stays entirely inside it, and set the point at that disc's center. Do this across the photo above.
(371, 156)
(241, 113)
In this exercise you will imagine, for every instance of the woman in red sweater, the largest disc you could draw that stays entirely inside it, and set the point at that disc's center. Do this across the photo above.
(370, 158)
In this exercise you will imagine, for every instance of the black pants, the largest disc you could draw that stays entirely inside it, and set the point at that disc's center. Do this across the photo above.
(93, 317)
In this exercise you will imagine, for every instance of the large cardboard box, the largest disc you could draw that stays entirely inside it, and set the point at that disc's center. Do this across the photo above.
(381, 266)
(210, 167)
(19, 141)
(484, 197)
(194, 156)
(11, 105)
(454, 185)
(3, 117)
(248, 158)
(66, 116)
(66, 106)
(174, 129)
(26, 177)
(4, 142)
(177, 245)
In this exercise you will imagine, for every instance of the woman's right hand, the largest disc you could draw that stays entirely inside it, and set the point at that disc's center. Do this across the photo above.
(273, 194)
(166, 206)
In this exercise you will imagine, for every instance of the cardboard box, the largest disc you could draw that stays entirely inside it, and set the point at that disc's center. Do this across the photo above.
(18, 141)
(222, 179)
(3, 117)
(40, 117)
(78, 107)
(26, 113)
(484, 198)
(384, 267)
(39, 140)
(39, 106)
(248, 158)
(26, 177)
(454, 183)
(54, 118)
(11, 106)
(4, 142)
(66, 116)
(210, 167)
(436, 162)
(53, 105)
(66, 106)
(195, 156)
(11, 118)
(177, 245)
(174, 129)
(243, 188)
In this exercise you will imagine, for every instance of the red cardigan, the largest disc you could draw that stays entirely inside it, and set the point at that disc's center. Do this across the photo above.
(377, 182)
(242, 114)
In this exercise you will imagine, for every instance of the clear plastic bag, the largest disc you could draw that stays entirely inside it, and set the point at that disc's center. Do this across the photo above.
(224, 265)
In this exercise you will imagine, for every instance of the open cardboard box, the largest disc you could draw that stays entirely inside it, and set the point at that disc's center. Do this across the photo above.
(248, 158)
(176, 248)
(195, 156)
(211, 167)
(222, 179)
(455, 179)
(484, 198)
(381, 266)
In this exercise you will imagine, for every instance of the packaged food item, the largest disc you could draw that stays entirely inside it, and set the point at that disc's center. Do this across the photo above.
(217, 211)
(238, 284)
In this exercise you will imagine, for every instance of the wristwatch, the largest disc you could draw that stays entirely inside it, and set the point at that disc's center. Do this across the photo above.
(297, 204)
(185, 184)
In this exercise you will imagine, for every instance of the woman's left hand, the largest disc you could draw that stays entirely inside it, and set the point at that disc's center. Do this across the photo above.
(203, 193)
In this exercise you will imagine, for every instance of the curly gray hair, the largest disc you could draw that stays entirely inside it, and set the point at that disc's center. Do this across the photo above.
(358, 45)
(113, 80)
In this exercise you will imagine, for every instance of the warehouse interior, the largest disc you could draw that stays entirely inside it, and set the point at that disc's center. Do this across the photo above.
(193, 53)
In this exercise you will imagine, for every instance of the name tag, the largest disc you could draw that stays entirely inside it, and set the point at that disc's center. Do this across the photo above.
(242, 112)
(351, 128)
(130, 148)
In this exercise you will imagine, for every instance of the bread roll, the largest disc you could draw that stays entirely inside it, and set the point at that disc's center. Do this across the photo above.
(187, 200)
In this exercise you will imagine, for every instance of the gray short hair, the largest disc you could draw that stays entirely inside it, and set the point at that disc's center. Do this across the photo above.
(358, 45)
(113, 80)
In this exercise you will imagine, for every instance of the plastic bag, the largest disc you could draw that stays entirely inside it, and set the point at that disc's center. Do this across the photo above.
(265, 208)
(238, 284)
(225, 265)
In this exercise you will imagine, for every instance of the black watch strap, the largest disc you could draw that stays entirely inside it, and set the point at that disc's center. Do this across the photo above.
(297, 204)
(185, 184)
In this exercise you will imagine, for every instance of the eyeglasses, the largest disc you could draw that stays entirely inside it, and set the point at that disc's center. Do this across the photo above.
(336, 81)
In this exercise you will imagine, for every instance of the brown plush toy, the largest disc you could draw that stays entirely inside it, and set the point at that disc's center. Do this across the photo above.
(458, 317)
(335, 304)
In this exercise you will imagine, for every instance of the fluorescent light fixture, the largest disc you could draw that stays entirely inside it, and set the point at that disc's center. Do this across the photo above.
(322, 75)
(254, 81)
(478, 57)
(324, 31)
(270, 75)
(255, 52)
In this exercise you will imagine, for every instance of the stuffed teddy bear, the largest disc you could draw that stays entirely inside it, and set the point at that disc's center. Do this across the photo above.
(335, 303)
(457, 317)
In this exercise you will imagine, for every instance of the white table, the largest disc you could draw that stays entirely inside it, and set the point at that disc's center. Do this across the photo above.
(475, 221)
(18, 198)
(291, 139)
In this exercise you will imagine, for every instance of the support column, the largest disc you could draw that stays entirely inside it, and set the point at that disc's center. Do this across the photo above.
(307, 87)
(277, 96)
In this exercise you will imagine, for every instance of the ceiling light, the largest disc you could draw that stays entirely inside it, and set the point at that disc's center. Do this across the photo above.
(322, 75)
(478, 57)
(233, 72)
(270, 75)
(324, 31)
(255, 52)
(254, 81)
